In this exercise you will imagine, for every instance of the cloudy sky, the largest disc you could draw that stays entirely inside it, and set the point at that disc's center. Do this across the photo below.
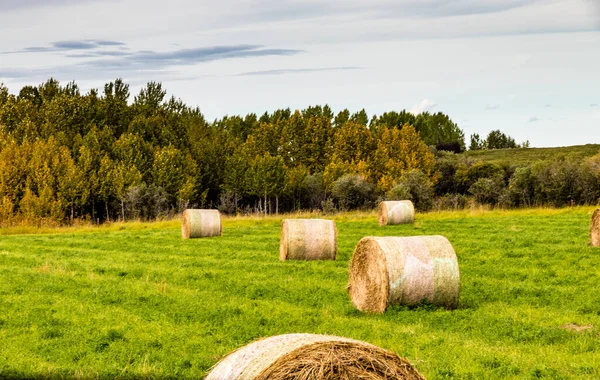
(528, 67)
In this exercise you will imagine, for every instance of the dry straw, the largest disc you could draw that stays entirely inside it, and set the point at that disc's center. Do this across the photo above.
(403, 271)
(200, 223)
(396, 212)
(309, 356)
(308, 239)
(595, 229)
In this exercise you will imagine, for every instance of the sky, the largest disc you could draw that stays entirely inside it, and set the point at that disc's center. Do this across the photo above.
(529, 68)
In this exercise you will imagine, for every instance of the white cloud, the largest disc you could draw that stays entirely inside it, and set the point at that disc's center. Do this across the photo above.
(425, 106)
(533, 119)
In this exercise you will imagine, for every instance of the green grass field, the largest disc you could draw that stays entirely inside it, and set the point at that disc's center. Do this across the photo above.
(525, 157)
(136, 301)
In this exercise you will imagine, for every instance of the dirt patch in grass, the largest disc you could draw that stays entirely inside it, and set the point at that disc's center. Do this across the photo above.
(576, 328)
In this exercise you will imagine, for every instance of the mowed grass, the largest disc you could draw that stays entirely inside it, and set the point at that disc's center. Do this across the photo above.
(136, 301)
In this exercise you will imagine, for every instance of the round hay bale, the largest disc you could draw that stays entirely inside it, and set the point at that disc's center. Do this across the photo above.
(308, 239)
(595, 229)
(403, 271)
(396, 212)
(309, 356)
(200, 223)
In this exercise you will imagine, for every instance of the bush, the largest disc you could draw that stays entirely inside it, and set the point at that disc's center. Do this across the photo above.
(328, 206)
(351, 191)
(487, 190)
(452, 202)
(227, 202)
(521, 188)
(447, 165)
(314, 190)
(417, 187)
(400, 192)
(557, 183)
(146, 202)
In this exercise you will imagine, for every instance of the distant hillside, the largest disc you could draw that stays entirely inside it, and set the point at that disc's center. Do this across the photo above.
(527, 156)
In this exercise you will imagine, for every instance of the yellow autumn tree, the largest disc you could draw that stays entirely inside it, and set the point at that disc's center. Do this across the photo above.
(399, 151)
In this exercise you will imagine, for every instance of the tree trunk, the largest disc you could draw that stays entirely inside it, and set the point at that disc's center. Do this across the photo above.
(107, 216)
(123, 210)
(277, 205)
(265, 203)
(72, 212)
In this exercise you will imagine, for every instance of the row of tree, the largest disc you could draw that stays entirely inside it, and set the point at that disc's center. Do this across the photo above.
(65, 155)
(495, 140)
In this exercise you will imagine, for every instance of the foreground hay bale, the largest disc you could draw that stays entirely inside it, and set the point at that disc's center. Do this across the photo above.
(403, 271)
(308, 239)
(595, 229)
(200, 223)
(308, 356)
(396, 212)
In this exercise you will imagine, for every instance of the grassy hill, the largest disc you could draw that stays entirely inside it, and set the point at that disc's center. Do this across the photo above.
(136, 301)
(526, 156)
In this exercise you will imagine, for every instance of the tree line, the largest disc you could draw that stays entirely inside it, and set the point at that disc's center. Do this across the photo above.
(67, 155)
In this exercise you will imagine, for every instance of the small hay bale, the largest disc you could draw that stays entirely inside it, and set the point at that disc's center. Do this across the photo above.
(200, 223)
(396, 212)
(595, 229)
(309, 356)
(308, 239)
(403, 271)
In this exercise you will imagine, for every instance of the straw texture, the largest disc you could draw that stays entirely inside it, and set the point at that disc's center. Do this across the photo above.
(396, 212)
(403, 271)
(309, 356)
(200, 223)
(308, 239)
(595, 229)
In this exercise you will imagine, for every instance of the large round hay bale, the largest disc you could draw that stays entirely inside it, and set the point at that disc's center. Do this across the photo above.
(308, 239)
(200, 223)
(396, 212)
(309, 356)
(403, 271)
(595, 229)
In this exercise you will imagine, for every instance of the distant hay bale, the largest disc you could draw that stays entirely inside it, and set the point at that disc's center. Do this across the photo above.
(308, 239)
(309, 356)
(200, 223)
(403, 271)
(595, 229)
(396, 212)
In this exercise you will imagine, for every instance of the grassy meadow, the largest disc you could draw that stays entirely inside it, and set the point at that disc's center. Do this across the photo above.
(134, 300)
(527, 156)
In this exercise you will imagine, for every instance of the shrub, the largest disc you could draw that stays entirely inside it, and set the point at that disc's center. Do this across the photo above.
(328, 206)
(447, 165)
(556, 182)
(521, 188)
(400, 192)
(452, 202)
(351, 191)
(417, 187)
(146, 202)
(227, 202)
(487, 190)
(314, 191)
